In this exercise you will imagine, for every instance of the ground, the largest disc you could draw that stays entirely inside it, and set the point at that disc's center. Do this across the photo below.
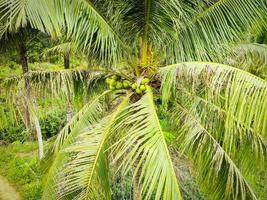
(7, 191)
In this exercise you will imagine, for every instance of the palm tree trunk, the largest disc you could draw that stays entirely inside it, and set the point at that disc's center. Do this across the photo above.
(39, 137)
(25, 69)
(22, 50)
(67, 66)
(69, 112)
(66, 60)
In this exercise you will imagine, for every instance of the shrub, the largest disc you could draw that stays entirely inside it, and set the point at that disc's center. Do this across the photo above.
(52, 124)
(14, 133)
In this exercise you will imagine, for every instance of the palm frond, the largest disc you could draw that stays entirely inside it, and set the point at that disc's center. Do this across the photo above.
(87, 116)
(229, 105)
(79, 21)
(218, 173)
(52, 83)
(212, 27)
(79, 170)
(232, 89)
(65, 47)
(41, 14)
(251, 57)
(60, 87)
(142, 147)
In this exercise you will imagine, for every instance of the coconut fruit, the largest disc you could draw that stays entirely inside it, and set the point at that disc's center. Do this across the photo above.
(118, 85)
(142, 87)
(107, 80)
(145, 81)
(134, 86)
(112, 87)
(112, 82)
(138, 91)
(125, 84)
(114, 77)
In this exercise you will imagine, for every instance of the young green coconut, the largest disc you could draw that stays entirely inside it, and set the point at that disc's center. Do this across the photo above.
(116, 83)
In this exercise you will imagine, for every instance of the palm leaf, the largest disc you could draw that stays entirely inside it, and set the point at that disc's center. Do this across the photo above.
(234, 90)
(87, 116)
(229, 105)
(223, 20)
(40, 14)
(80, 166)
(143, 147)
(65, 47)
(52, 83)
(251, 57)
(79, 21)
(218, 173)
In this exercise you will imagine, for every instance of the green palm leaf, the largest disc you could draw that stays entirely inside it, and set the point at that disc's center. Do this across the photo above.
(219, 174)
(234, 90)
(52, 83)
(224, 21)
(251, 57)
(79, 170)
(87, 116)
(222, 123)
(79, 21)
(143, 147)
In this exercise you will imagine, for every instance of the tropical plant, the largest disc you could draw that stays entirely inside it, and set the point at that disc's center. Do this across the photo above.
(218, 112)
(251, 54)
(19, 39)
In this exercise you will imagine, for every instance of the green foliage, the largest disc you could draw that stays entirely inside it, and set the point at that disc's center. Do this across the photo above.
(14, 133)
(9, 68)
(51, 124)
(122, 187)
(19, 164)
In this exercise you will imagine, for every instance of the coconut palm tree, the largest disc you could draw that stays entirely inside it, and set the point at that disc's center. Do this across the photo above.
(19, 40)
(216, 113)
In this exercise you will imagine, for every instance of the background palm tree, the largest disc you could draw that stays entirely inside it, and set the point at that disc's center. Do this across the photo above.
(19, 40)
(217, 113)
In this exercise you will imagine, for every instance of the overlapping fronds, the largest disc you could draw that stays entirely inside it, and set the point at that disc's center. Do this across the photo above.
(79, 170)
(87, 116)
(51, 87)
(218, 173)
(213, 24)
(53, 83)
(165, 31)
(142, 147)
(251, 57)
(172, 31)
(64, 47)
(42, 15)
(92, 31)
(79, 21)
(242, 95)
(152, 22)
(228, 104)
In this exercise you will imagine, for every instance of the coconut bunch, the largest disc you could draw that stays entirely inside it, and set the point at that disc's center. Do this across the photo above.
(116, 83)
(142, 86)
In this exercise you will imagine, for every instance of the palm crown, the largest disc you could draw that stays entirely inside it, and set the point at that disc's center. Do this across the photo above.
(217, 113)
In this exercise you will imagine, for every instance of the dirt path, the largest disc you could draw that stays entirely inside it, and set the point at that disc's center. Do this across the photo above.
(7, 191)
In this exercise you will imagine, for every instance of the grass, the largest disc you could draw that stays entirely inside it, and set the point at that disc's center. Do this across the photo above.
(19, 164)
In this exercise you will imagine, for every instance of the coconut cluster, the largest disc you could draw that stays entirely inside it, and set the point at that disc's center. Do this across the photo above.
(142, 87)
(116, 83)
